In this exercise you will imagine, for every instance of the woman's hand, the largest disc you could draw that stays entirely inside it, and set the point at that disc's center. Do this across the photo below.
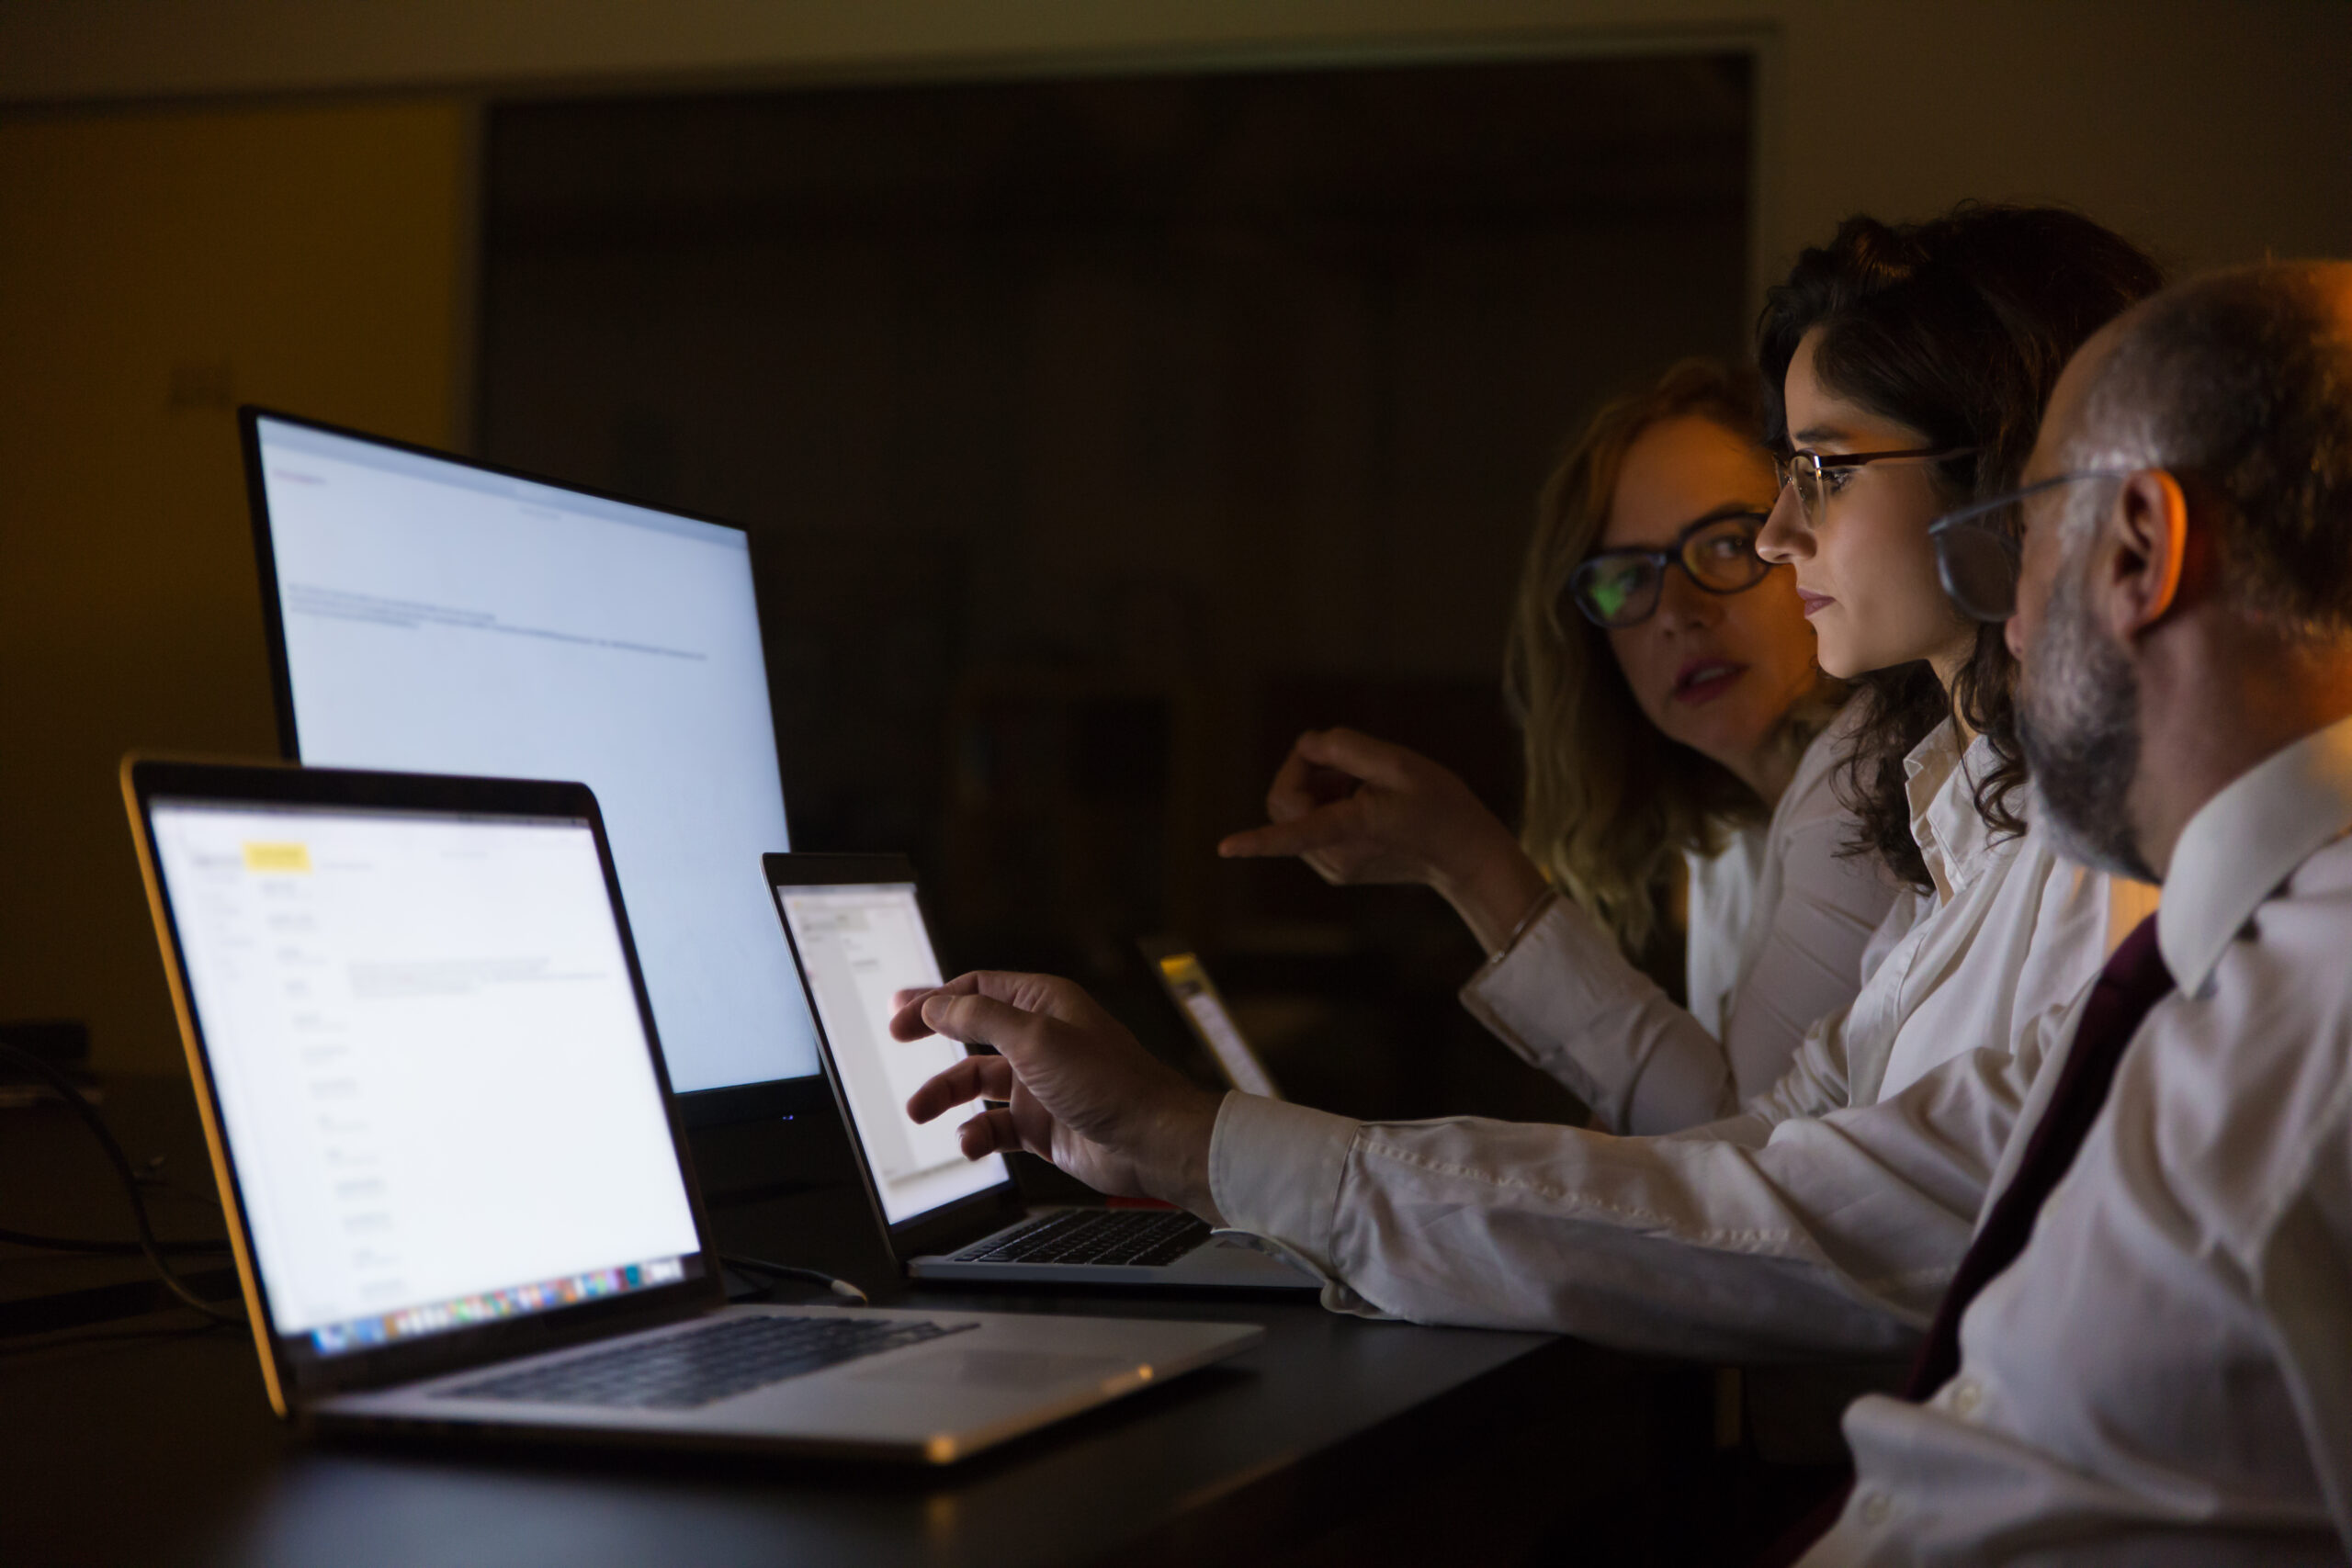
(1362, 810)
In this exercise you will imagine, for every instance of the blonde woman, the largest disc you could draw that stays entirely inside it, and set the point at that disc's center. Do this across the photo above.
(1677, 734)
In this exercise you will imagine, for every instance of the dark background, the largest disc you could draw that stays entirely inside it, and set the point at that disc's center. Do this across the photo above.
(1095, 437)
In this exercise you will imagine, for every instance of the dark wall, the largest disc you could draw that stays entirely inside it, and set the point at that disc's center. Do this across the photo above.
(1096, 436)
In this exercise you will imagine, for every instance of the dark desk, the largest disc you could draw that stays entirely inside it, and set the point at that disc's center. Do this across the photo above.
(1335, 1442)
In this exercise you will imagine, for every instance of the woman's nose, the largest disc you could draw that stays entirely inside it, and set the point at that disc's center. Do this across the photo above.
(1683, 606)
(1785, 536)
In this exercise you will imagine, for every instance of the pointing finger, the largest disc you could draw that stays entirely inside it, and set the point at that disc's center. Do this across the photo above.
(1317, 829)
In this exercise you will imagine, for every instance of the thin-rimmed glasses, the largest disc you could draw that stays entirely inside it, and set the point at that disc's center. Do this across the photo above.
(1819, 476)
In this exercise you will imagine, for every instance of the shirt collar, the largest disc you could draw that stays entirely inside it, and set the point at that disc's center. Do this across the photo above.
(2247, 840)
(1939, 780)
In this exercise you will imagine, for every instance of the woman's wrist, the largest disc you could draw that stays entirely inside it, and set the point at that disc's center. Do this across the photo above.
(1497, 895)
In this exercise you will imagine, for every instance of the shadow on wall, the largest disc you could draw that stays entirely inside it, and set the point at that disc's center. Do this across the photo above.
(1097, 436)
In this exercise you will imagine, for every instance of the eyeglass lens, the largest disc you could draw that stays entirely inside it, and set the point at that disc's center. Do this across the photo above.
(1979, 572)
(1620, 591)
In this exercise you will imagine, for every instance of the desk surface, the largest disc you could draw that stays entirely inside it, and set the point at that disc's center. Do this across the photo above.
(1335, 1440)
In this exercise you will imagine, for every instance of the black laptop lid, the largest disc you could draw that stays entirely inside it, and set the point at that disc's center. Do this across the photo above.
(429, 1073)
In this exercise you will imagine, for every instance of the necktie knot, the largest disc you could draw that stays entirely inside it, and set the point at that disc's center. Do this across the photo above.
(2137, 968)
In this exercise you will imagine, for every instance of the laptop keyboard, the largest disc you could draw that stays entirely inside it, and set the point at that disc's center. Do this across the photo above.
(1129, 1238)
(705, 1365)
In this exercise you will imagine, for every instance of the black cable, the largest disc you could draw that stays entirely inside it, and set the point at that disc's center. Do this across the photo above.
(148, 1245)
(104, 1249)
(841, 1288)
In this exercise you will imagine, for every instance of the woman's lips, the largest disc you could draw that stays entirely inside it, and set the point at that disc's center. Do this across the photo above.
(1704, 680)
(1814, 602)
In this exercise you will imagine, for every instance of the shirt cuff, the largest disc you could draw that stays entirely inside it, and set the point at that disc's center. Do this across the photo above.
(1561, 972)
(1275, 1170)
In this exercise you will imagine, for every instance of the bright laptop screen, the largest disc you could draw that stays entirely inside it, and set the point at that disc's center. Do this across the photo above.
(432, 1072)
(441, 619)
(858, 945)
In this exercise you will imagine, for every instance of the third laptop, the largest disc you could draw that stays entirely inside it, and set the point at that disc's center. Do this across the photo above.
(857, 931)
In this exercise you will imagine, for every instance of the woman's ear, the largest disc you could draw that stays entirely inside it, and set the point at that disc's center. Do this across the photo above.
(2146, 538)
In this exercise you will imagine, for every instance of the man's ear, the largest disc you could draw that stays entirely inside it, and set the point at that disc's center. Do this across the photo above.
(2147, 546)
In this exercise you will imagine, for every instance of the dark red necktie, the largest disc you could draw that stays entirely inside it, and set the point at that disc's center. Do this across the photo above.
(2134, 980)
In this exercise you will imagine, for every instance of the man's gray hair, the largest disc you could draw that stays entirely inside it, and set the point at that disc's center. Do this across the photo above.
(2240, 383)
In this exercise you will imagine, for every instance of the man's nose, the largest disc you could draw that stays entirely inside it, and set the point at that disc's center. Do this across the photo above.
(1786, 536)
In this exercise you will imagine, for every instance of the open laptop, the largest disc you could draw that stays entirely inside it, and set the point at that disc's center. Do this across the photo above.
(1186, 980)
(857, 932)
(451, 1164)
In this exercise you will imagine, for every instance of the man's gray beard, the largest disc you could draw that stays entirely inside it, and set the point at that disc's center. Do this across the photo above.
(2078, 718)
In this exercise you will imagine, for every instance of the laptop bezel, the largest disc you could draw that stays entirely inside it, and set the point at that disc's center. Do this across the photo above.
(294, 1376)
(959, 1220)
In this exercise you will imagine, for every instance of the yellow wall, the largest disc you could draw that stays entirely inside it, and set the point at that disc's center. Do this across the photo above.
(155, 268)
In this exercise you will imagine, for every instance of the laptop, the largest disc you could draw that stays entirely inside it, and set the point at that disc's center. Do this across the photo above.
(857, 932)
(451, 1164)
(1186, 980)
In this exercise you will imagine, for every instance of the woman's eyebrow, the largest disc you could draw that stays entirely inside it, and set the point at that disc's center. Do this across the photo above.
(1814, 434)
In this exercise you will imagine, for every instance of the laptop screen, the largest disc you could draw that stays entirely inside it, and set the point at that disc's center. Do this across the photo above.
(433, 1076)
(858, 945)
(437, 618)
(1189, 984)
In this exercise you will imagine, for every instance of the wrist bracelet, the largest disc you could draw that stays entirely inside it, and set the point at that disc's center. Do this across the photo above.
(1535, 912)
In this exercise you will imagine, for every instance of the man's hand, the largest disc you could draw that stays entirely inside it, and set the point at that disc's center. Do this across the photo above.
(1362, 810)
(1077, 1088)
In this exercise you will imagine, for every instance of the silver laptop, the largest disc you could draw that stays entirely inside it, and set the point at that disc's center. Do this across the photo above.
(857, 932)
(450, 1164)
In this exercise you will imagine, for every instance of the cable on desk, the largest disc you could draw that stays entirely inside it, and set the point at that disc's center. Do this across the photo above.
(841, 1288)
(107, 1248)
(147, 1243)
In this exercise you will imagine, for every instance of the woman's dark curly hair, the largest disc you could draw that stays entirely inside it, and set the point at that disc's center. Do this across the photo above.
(1957, 327)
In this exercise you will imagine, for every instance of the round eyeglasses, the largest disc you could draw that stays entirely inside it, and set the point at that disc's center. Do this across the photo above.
(1819, 478)
(1977, 549)
(1621, 587)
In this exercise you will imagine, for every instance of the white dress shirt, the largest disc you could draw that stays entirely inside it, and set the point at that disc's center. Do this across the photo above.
(1779, 924)
(1814, 1223)
(2165, 1375)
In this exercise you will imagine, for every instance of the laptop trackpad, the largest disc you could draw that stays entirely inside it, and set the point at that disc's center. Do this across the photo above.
(997, 1369)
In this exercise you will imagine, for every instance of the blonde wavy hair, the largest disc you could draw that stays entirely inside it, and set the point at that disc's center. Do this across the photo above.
(1612, 803)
